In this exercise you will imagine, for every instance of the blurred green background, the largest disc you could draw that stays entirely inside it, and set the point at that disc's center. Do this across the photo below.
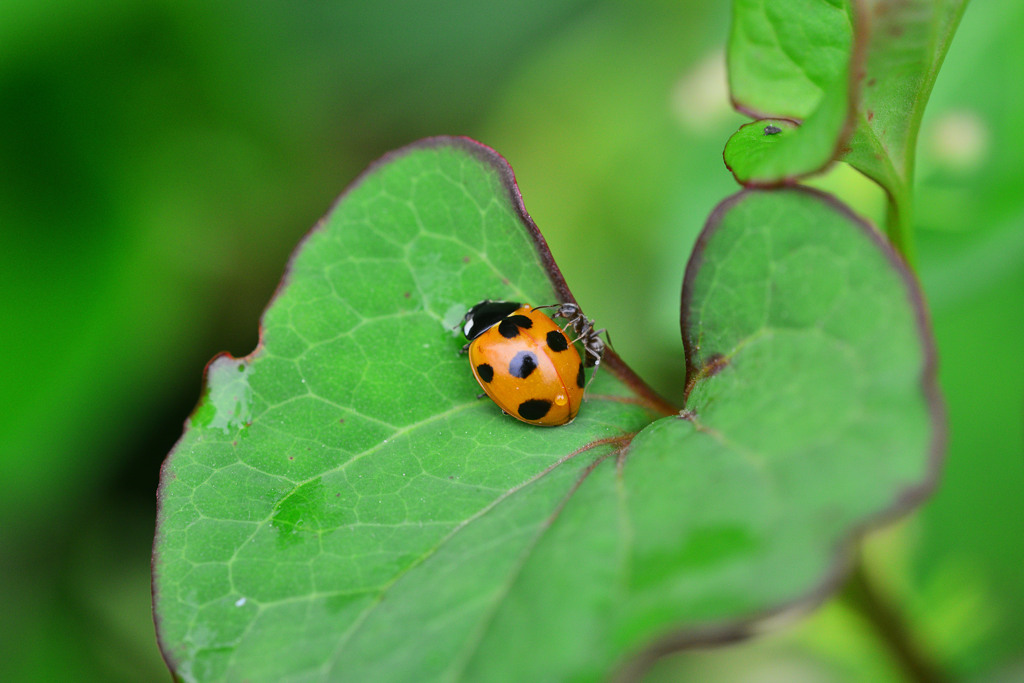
(159, 161)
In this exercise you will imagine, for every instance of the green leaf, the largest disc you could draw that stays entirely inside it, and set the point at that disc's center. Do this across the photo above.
(341, 507)
(792, 60)
(813, 411)
(772, 152)
(350, 447)
(755, 145)
(857, 73)
(784, 56)
(908, 42)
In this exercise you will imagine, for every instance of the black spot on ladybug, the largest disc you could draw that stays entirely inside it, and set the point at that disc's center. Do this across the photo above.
(485, 371)
(557, 341)
(772, 130)
(509, 327)
(522, 364)
(534, 409)
(581, 378)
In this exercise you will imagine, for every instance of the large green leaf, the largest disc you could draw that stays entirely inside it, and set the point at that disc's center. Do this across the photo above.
(350, 447)
(342, 507)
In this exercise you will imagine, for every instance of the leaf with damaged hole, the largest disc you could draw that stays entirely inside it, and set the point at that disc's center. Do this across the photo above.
(341, 507)
(792, 61)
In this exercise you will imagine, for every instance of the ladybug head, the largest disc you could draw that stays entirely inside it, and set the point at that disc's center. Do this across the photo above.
(486, 315)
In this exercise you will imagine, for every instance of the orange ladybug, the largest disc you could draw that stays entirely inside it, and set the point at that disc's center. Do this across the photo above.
(525, 362)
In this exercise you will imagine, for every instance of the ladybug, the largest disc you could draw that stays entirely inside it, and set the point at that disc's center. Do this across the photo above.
(525, 362)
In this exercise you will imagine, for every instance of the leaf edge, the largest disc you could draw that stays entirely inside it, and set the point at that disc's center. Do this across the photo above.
(732, 631)
(611, 360)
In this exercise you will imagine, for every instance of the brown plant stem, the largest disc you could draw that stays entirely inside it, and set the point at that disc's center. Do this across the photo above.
(890, 627)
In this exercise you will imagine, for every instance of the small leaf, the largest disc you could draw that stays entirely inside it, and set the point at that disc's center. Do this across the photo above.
(755, 144)
(792, 60)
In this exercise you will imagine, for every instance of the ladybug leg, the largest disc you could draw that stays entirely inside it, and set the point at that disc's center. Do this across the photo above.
(481, 395)
(465, 347)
